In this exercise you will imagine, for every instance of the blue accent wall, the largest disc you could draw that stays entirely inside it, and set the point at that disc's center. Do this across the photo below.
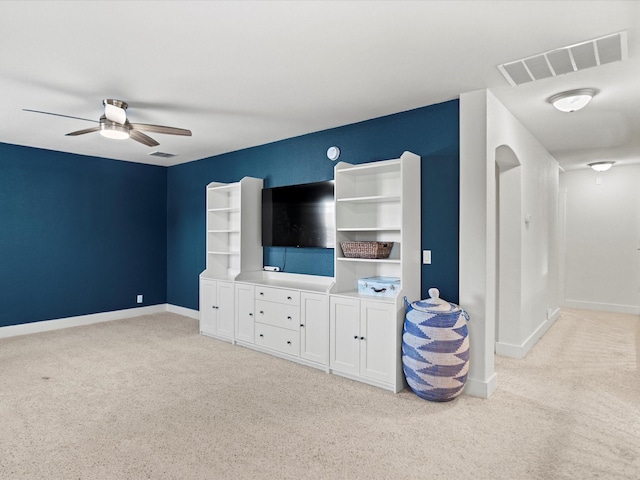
(82, 235)
(78, 235)
(431, 132)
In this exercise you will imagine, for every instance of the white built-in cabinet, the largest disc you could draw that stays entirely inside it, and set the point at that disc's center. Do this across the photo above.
(233, 245)
(284, 314)
(378, 201)
(216, 308)
(321, 322)
(362, 340)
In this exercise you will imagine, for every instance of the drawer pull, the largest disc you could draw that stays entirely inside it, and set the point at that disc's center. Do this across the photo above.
(288, 298)
(362, 338)
(262, 293)
(288, 342)
(261, 335)
(355, 337)
(261, 312)
(251, 314)
(302, 325)
(288, 318)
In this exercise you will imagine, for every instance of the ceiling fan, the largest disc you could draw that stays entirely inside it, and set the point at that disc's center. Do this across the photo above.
(114, 124)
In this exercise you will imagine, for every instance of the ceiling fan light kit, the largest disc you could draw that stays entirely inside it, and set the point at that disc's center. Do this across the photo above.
(572, 100)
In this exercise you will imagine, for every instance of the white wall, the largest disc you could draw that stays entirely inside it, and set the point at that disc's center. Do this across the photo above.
(485, 126)
(601, 230)
(539, 241)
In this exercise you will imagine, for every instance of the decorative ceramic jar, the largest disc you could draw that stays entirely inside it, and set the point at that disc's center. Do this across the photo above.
(435, 348)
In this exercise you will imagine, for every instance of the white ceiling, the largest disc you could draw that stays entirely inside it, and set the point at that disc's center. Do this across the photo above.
(245, 73)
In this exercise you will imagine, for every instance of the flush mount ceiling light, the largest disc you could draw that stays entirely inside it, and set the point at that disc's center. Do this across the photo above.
(601, 166)
(572, 100)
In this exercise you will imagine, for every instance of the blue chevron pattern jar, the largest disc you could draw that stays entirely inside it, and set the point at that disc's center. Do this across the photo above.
(435, 348)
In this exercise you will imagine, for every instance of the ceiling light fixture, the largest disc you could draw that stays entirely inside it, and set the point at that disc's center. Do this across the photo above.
(601, 166)
(572, 100)
(113, 130)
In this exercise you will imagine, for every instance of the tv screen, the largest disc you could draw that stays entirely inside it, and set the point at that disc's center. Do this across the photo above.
(299, 216)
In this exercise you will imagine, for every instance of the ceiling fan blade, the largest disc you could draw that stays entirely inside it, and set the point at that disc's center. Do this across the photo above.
(142, 138)
(82, 132)
(145, 127)
(59, 115)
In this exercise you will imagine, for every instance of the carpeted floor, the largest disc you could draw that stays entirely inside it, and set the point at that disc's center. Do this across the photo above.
(148, 397)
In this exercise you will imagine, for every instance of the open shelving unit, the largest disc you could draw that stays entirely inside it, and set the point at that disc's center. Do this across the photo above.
(378, 201)
(233, 226)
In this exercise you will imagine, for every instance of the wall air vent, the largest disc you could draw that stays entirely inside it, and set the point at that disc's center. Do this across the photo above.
(592, 53)
(163, 154)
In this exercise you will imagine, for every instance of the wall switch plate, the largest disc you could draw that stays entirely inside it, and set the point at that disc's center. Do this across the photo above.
(139, 299)
(426, 257)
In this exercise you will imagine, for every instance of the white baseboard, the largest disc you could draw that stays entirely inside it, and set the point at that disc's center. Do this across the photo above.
(57, 324)
(520, 351)
(185, 312)
(602, 307)
(480, 388)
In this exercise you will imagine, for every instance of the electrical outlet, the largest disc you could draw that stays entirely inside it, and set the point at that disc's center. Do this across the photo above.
(139, 299)
(426, 257)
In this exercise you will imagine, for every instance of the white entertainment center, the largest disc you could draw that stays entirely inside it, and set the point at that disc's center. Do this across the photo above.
(321, 322)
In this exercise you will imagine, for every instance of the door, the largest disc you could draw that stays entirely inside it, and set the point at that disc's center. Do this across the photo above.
(344, 334)
(225, 309)
(377, 345)
(208, 312)
(245, 326)
(314, 327)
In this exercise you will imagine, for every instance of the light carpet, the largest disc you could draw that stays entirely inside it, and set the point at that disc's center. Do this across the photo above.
(149, 398)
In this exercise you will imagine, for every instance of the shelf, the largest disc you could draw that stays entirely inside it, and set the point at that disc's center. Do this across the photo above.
(355, 294)
(373, 168)
(370, 199)
(368, 229)
(222, 188)
(369, 260)
(226, 209)
(223, 253)
(235, 230)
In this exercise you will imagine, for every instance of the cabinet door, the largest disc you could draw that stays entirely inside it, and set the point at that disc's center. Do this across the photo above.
(314, 327)
(208, 304)
(225, 309)
(344, 338)
(244, 312)
(377, 338)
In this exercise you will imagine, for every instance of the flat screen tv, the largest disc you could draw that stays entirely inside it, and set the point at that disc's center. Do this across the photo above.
(299, 216)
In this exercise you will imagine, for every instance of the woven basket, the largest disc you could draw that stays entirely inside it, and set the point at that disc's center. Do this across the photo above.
(366, 249)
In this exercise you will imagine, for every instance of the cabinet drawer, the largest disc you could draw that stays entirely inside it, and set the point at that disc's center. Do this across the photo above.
(279, 339)
(278, 315)
(278, 295)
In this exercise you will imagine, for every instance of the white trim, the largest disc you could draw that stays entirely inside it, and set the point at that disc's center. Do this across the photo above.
(479, 388)
(602, 307)
(520, 351)
(185, 312)
(59, 323)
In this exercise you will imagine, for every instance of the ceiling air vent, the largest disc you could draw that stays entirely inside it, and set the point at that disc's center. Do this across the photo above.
(163, 154)
(599, 51)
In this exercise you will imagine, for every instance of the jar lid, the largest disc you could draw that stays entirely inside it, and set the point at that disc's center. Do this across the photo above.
(435, 304)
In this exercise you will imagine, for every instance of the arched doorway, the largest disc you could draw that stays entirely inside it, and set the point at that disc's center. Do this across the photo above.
(508, 247)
